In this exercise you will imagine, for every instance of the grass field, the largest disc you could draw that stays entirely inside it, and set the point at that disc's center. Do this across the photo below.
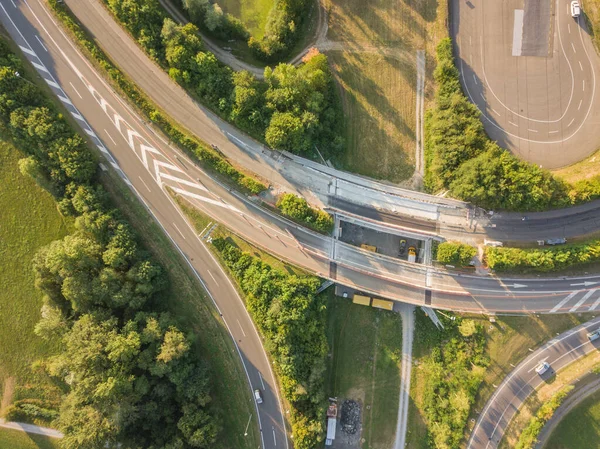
(13, 439)
(508, 341)
(28, 220)
(580, 428)
(374, 44)
(591, 10)
(588, 168)
(252, 13)
(366, 348)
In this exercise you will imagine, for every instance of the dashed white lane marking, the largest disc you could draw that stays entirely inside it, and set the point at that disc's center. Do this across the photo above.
(109, 136)
(181, 233)
(571, 122)
(145, 185)
(596, 304)
(532, 130)
(261, 380)
(552, 132)
(244, 334)
(512, 123)
(213, 278)
(475, 79)
(582, 300)
(41, 43)
(76, 91)
(14, 4)
(495, 112)
(573, 45)
(480, 93)
(584, 85)
(563, 302)
(569, 27)
(274, 439)
(580, 65)
(579, 107)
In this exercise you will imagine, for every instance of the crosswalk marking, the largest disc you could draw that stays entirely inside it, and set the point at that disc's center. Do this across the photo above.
(582, 300)
(564, 301)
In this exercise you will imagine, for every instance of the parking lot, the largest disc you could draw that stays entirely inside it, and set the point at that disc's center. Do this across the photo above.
(385, 243)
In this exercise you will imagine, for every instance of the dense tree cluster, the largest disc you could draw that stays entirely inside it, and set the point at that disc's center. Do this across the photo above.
(297, 208)
(291, 318)
(453, 371)
(211, 17)
(455, 253)
(462, 159)
(295, 108)
(132, 375)
(526, 260)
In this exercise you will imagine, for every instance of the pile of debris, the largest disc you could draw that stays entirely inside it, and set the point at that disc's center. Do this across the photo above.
(350, 419)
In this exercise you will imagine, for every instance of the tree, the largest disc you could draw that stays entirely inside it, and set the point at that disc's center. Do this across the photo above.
(455, 253)
(286, 132)
(214, 17)
(196, 9)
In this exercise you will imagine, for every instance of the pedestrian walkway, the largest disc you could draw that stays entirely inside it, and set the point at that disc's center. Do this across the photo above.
(31, 428)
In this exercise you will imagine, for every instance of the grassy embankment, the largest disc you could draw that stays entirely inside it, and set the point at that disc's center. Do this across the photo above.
(376, 74)
(252, 13)
(29, 220)
(232, 399)
(366, 354)
(580, 428)
(13, 439)
(508, 342)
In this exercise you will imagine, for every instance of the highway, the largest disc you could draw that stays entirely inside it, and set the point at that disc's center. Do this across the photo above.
(532, 70)
(74, 82)
(523, 381)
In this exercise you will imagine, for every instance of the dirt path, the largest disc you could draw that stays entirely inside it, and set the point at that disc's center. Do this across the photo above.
(408, 329)
(8, 390)
(30, 428)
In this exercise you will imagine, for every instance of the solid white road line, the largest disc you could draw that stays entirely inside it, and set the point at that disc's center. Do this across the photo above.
(110, 137)
(239, 324)
(75, 90)
(13, 2)
(563, 302)
(181, 233)
(582, 300)
(145, 185)
(41, 43)
(213, 278)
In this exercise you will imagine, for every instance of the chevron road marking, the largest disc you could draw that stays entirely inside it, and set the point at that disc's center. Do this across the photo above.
(564, 301)
(582, 300)
(205, 199)
(593, 306)
(183, 181)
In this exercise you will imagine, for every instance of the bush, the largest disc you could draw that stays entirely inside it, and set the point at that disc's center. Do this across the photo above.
(455, 253)
(30, 411)
(291, 318)
(297, 208)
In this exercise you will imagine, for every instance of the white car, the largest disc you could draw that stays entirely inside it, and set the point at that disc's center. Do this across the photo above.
(257, 396)
(594, 335)
(575, 9)
(542, 368)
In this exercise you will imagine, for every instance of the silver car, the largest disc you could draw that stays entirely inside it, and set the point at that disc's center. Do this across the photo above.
(542, 368)
(258, 396)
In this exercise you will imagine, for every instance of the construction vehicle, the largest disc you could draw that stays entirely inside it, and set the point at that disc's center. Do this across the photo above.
(369, 247)
(412, 254)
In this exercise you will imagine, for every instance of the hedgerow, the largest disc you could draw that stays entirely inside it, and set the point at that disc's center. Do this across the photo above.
(297, 208)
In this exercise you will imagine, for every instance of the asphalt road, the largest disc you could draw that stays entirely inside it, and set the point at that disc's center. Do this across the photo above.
(532, 70)
(523, 381)
(57, 61)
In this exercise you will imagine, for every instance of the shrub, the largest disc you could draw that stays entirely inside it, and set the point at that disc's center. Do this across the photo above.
(455, 253)
(297, 208)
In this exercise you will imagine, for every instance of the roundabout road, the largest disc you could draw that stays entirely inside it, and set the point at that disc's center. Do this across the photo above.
(531, 69)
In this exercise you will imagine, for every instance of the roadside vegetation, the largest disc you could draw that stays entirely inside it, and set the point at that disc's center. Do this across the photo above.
(294, 109)
(591, 13)
(15, 439)
(271, 28)
(298, 209)
(455, 253)
(505, 343)
(461, 158)
(291, 318)
(29, 220)
(579, 428)
(365, 365)
(372, 48)
(531, 260)
(104, 299)
(528, 438)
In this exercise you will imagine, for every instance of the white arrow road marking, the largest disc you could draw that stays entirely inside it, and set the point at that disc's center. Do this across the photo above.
(564, 301)
(582, 300)
(585, 284)
(517, 286)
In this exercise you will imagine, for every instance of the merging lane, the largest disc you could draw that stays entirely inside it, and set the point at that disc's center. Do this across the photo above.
(57, 61)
